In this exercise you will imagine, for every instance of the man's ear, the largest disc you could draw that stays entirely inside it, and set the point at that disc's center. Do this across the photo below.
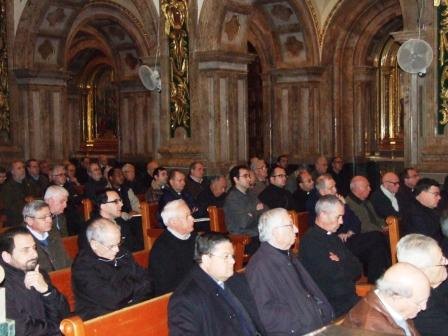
(6, 257)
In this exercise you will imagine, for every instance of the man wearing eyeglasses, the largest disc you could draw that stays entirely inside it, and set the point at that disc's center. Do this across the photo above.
(275, 195)
(287, 298)
(108, 205)
(424, 253)
(50, 249)
(385, 199)
(422, 216)
(211, 301)
(242, 208)
(105, 276)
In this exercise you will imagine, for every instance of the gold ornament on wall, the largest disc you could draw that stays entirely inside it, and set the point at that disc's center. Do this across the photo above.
(442, 66)
(176, 20)
(4, 89)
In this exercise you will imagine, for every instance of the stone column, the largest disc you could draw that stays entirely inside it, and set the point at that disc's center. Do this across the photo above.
(222, 108)
(139, 124)
(42, 118)
(301, 127)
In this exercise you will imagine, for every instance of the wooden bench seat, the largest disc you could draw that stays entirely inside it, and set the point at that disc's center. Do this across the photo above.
(71, 246)
(149, 318)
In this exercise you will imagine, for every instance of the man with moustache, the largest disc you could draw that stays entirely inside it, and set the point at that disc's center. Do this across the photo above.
(31, 301)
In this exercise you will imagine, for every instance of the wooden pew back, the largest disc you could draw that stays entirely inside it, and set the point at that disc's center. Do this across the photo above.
(71, 246)
(394, 236)
(87, 208)
(149, 223)
(217, 221)
(149, 318)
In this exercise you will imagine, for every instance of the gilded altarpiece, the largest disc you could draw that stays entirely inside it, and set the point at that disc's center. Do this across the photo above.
(442, 66)
(4, 90)
(176, 21)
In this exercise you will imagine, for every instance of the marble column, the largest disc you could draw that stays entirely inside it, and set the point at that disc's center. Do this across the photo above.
(42, 116)
(139, 125)
(222, 108)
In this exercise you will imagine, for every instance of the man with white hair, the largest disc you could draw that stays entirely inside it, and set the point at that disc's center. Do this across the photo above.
(50, 249)
(333, 267)
(424, 253)
(399, 296)
(131, 180)
(56, 197)
(105, 276)
(260, 170)
(287, 298)
(171, 256)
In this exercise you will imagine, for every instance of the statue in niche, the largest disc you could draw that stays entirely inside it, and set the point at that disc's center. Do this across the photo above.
(106, 107)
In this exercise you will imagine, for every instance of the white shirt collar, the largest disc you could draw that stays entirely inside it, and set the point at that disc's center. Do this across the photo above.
(398, 319)
(39, 236)
(390, 196)
(178, 235)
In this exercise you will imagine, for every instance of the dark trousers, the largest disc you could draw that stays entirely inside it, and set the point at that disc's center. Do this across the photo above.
(372, 249)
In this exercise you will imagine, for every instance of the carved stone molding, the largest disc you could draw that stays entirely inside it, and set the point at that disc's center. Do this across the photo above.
(281, 12)
(232, 27)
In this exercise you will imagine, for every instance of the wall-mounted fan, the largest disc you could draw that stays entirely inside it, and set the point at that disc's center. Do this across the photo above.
(150, 78)
(415, 56)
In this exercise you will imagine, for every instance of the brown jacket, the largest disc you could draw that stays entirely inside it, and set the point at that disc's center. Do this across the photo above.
(370, 314)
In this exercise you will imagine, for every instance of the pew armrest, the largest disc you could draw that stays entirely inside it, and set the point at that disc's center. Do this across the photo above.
(72, 326)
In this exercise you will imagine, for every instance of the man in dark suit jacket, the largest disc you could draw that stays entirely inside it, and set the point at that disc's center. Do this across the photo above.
(211, 301)
(384, 199)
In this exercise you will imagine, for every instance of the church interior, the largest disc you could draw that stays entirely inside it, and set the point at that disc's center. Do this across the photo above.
(239, 78)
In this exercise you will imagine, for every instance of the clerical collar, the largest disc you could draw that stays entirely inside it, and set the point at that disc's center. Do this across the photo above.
(285, 252)
(38, 235)
(178, 235)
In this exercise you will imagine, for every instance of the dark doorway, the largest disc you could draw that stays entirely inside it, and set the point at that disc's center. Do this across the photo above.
(255, 123)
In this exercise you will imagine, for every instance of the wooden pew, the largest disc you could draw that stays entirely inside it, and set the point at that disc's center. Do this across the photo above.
(149, 318)
(87, 208)
(239, 241)
(300, 220)
(62, 279)
(363, 289)
(394, 236)
(149, 223)
(71, 246)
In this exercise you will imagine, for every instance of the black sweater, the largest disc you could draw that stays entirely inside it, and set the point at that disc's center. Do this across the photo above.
(170, 260)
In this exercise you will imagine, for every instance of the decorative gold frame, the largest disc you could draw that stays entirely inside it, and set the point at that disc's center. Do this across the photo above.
(176, 28)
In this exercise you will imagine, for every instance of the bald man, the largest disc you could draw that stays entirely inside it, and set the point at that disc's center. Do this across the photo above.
(384, 199)
(400, 295)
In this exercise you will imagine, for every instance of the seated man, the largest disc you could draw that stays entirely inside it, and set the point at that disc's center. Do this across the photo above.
(176, 190)
(384, 199)
(171, 256)
(333, 267)
(158, 183)
(409, 178)
(214, 195)
(96, 181)
(305, 185)
(50, 249)
(260, 170)
(424, 253)
(287, 298)
(31, 301)
(210, 301)
(400, 294)
(275, 195)
(108, 205)
(358, 201)
(56, 197)
(241, 208)
(131, 181)
(37, 181)
(340, 175)
(14, 193)
(422, 216)
(320, 167)
(105, 277)
(131, 204)
(196, 182)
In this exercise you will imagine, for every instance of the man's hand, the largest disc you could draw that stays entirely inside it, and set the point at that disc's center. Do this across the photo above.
(35, 279)
(260, 206)
(341, 198)
(333, 256)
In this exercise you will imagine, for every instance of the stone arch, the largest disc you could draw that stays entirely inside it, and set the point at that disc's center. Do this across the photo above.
(351, 76)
